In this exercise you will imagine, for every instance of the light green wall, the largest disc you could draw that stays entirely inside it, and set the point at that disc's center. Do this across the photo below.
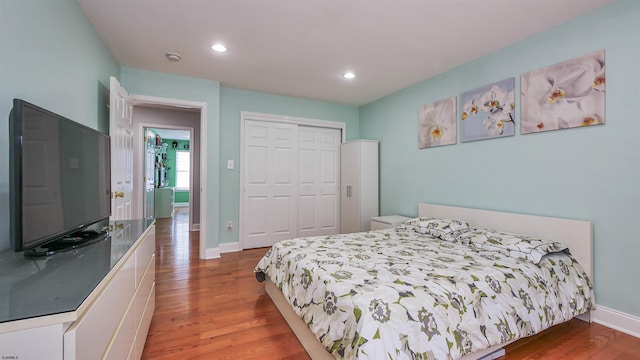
(50, 55)
(586, 173)
(178, 87)
(232, 102)
(181, 197)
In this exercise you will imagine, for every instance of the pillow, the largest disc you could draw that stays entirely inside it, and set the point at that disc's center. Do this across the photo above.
(528, 248)
(445, 229)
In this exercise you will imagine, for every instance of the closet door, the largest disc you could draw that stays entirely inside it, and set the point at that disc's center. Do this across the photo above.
(270, 183)
(318, 181)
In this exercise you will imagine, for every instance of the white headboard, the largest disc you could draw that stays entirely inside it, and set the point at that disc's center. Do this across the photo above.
(576, 234)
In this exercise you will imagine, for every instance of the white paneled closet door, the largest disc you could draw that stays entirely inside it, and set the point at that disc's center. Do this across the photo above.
(270, 183)
(318, 181)
(291, 182)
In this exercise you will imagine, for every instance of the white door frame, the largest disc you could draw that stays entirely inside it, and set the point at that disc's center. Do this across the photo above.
(144, 100)
(246, 115)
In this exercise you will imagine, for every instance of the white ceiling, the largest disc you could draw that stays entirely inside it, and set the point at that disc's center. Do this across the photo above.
(301, 48)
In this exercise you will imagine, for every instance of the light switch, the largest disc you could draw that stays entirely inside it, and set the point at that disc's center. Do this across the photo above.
(229, 164)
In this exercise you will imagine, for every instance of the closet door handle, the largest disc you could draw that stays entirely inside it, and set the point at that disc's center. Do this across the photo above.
(348, 190)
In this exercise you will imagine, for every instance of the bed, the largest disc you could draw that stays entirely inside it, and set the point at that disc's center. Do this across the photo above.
(403, 293)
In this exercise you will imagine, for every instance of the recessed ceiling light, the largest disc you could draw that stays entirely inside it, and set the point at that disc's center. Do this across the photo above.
(349, 75)
(219, 48)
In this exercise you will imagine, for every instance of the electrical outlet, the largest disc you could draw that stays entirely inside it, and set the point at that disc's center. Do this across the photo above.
(229, 225)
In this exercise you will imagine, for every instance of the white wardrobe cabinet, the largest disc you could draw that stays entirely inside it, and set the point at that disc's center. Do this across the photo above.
(358, 185)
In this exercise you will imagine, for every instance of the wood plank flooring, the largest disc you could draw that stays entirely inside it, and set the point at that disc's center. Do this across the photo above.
(215, 309)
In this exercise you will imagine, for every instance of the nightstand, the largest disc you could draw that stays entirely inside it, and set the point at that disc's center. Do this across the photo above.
(386, 222)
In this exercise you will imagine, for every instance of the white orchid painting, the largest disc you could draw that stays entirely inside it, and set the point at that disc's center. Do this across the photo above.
(488, 111)
(566, 95)
(437, 123)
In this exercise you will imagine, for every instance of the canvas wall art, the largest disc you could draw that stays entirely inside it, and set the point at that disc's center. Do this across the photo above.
(566, 95)
(488, 111)
(437, 123)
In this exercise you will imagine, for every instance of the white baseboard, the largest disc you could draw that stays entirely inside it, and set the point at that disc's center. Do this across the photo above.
(196, 227)
(230, 247)
(212, 253)
(182, 204)
(617, 320)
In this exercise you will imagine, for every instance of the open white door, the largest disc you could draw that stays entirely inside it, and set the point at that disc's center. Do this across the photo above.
(121, 132)
(149, 175)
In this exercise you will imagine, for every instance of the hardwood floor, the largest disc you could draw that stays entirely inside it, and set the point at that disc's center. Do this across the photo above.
(215, 309)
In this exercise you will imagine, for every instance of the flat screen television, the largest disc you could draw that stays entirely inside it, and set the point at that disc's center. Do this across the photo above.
(59, 178)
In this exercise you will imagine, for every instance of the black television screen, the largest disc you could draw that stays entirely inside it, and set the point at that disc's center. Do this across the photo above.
(60, 176)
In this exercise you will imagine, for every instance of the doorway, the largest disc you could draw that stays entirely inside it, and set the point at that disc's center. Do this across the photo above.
(173, 114)
(173, 127)
(168, 173)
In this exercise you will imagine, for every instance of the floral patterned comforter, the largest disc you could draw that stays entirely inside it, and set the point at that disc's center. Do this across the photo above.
(399, 294)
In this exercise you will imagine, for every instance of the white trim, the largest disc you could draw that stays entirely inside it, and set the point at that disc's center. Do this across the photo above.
(617, 320)
(203, 183)
(181, 204)
(162, 101)
(229, 247)
(141, 100)
(247, 115)
(211, 253)
(214, 253)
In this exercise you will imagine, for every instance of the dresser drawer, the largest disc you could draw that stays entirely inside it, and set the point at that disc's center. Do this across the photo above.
(89, 337)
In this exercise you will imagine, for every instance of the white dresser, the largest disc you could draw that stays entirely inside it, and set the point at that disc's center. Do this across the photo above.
(94, 302)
